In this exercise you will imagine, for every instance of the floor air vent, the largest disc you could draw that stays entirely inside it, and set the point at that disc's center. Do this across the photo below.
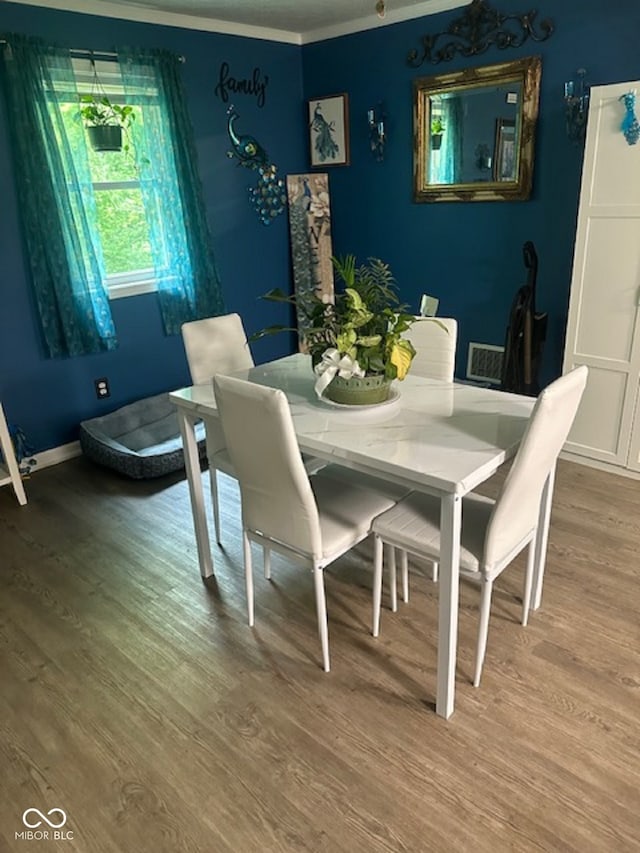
(484, 363)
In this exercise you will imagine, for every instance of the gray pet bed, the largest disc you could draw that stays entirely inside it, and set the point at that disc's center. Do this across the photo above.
(141, 440)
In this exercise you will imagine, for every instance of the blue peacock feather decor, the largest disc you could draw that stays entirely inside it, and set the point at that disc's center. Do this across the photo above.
(630, 126)
(269, 196)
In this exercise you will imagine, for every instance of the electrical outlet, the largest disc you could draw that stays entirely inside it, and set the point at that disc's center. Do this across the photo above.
(102, 388)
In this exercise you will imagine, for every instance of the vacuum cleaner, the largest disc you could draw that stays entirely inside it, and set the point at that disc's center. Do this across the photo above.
(526, 334)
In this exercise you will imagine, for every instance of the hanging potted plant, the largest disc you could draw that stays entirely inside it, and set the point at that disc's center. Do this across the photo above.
(106, 122)
(437, 129)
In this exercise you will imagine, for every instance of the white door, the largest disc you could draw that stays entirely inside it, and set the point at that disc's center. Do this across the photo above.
(603, 329)
(634, 447)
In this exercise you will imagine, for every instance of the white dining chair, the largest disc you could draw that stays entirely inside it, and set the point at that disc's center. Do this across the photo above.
(219, 345)
(493, 533)
(312, 520)
(434, 340)
(216, 345)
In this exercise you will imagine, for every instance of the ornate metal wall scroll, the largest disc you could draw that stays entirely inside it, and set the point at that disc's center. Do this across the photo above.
(480, 27)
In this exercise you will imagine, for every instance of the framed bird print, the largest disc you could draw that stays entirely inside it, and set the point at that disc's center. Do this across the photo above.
(329, 130)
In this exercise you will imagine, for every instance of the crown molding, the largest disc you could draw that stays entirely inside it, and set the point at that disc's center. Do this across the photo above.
(145, 15)
(142, 14)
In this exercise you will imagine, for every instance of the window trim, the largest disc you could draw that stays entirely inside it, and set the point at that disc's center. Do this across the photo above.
(134, 283)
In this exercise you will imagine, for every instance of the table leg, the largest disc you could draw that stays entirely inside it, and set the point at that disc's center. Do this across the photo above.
(542, 538)
(448, 588)
(194, 478)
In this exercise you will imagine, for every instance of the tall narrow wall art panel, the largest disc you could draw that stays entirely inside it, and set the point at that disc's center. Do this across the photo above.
(310, 235)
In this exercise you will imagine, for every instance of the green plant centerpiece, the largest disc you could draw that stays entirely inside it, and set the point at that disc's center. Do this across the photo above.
(356, 341)
(106, 122)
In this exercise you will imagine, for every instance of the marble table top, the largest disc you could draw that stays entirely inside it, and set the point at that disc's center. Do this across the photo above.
(434, 436)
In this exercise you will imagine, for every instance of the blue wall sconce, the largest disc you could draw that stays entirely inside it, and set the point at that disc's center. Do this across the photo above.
(377, 131)
(576, 105)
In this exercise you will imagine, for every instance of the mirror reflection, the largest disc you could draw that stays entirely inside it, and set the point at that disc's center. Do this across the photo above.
(474, 132)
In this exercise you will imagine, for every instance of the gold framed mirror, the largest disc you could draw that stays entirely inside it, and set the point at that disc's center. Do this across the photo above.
(474, 132)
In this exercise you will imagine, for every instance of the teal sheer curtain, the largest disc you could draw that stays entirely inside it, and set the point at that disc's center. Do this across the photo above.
(56, 201)
(447, 168)
(188, 284)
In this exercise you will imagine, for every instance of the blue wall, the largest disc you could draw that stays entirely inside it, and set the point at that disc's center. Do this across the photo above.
(470, 255)
(48, 398)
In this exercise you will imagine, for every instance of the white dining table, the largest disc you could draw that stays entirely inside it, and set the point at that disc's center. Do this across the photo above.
(437, 437)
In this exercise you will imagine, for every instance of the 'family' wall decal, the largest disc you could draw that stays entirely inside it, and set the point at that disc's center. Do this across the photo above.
(255, 85)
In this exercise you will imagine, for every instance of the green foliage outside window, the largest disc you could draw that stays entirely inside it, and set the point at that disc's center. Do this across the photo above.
(123, 228)
(121, 222)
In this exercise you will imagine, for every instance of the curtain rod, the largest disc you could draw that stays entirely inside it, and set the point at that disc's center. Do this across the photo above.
(109, 55)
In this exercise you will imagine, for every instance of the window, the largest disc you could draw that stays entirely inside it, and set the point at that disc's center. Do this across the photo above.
(120, 215)
(92, 222)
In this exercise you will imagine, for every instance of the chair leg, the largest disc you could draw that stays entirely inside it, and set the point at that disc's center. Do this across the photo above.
(486, 587)
(213, 477)
(321, 609)
(266, 558)
(393, 578)
(248, 575)
(528, 581)
(404, 569)
(377, 585)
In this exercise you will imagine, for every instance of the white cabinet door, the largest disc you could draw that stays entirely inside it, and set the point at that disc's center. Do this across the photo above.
(634, 448)
(603, 326)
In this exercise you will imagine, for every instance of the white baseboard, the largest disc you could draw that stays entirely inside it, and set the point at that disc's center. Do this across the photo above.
(599, 465)
(56, 455)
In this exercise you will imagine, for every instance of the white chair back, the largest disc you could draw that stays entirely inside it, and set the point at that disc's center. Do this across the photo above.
(277, 499)
(215, 345)
(516, 510)
(435, 347)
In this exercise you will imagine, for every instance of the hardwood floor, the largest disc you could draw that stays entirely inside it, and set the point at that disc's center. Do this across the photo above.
(136, 698)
